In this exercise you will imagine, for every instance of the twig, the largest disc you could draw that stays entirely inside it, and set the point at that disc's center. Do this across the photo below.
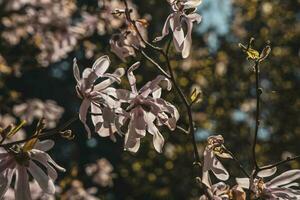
(44, 135)
(279, 163)
(257, 120)
(238, 163)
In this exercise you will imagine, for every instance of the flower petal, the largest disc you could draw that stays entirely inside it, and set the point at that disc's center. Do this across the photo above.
(284, 178)
(45, 145)
(22, 191)
(101, 65)
(267, 172)
(44, 181)
(85, 105)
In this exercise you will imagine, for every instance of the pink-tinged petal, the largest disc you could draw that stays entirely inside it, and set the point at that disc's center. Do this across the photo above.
(153, 85)
(267, 172)
(7, 163)
(76, 71)
(243, 182)
(96, 111)
(84, 107)
(45, 145)
(101, 65)
(5, 181)
(156, 93)
(192, 4)
(22, 191)
(208, 156)
(124, 95)
(139, 121)
(188, 38)
(131, 77)
(219, 170)
(48, 158)
(165, 30)
(178, 34)
(44, 181)
(115, 77)
(284, 178)
(284, 193)
(132, 140)
(43, 158)
(158, 139)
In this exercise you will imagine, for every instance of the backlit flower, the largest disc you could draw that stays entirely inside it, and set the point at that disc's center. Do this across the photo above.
(99, 97)
(21, 160)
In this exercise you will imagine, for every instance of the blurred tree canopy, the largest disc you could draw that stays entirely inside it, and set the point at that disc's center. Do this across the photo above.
(31, 67)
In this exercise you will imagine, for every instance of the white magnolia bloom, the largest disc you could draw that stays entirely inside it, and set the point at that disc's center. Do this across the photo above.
(177, 21)
(101, 172)
(99, 97)
(281, 187)
(78, 192)
(147, 111)
(37, 109)
(35, 191)
(20, 161)
(222, 191)
(211, 163)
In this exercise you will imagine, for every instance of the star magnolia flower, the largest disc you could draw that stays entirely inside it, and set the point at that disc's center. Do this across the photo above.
(147, 111)
(176, 21)
(21, 160)
(98, 97)
(281, 187)
(221, 191)
(211, 163)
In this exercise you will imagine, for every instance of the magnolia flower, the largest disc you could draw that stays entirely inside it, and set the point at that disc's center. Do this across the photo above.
(123, 44)
(99, 97)
(281, 187)
(20, 160)
(101, 172)
(147, 111)
(211, 163)
(78, 192)
(37, 109)
(221, 191)
(176, 21)
(35, 191)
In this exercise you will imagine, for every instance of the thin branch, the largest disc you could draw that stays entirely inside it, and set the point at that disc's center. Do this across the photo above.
(156, 64)
(279, 163)
(257, 120)
(238, 163)
(43, 135)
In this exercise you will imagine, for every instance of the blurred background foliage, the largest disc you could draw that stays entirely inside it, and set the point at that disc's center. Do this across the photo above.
(32, 66)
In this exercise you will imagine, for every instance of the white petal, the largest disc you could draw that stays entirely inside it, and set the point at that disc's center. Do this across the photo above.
(131, 77)
(83, 113)
(165, 30)
(42, 179)
(284, 178)
(243, 182)
(45, 145)
(267, 172)
(101, 65)
(76, 71)
(22, 191)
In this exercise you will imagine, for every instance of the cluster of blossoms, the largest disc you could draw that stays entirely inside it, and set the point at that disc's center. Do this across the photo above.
(112, 108)
(53, 27)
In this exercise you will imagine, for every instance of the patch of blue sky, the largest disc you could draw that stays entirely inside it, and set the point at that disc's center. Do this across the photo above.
(216, 21)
